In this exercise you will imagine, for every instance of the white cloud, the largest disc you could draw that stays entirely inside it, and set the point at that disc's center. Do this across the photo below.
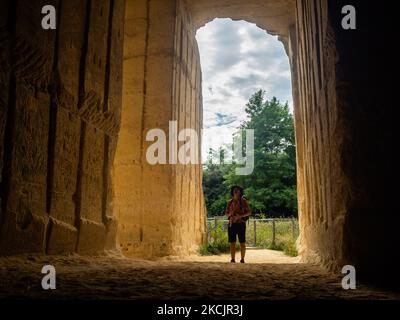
(237, 59)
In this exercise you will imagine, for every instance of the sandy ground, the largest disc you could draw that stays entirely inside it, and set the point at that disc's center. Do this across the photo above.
(252, 256)
(266, 275)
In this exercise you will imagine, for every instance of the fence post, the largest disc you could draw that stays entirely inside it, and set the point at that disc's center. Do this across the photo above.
(255, 232)
(293, 229)
(215, 222)
(273, 230)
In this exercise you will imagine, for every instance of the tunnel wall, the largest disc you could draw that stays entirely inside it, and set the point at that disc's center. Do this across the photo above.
(364, 74)
(323, 188)
(343, 135)
(143, 191)
(189, 213)
(59, 120)
(159, 207)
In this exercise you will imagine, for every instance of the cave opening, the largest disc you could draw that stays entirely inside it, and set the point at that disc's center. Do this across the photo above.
(246, 81)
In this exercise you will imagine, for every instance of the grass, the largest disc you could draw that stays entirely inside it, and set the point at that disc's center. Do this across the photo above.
(288, 246)
(219, 241)
(285, 237)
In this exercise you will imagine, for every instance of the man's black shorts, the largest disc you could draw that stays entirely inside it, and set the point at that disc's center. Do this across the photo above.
(237, 229)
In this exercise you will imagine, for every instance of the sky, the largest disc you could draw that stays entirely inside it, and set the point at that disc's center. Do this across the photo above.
(237, 59)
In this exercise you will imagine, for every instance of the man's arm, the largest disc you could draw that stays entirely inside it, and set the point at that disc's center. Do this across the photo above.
(246, 207)
(228, 212)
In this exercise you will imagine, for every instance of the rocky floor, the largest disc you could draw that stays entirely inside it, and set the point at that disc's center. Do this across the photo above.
(116, 277)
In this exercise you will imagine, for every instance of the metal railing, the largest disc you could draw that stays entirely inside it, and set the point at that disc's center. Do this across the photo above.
(259, 232)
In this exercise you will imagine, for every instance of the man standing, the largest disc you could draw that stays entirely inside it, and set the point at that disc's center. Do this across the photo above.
(237, 210)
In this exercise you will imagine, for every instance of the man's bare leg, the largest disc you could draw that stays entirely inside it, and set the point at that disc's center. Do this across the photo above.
(243, 250)
(233, 250)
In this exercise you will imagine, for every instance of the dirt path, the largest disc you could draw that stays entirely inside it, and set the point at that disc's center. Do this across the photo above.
(116, 277)
(253, 255)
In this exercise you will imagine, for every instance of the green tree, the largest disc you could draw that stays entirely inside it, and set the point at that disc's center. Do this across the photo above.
(271, 188)
(213, 184)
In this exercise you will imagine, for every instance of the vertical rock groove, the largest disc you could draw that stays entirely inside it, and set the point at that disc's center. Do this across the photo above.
(81, 97)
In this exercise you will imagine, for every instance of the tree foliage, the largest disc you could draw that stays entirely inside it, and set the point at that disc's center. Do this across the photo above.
(271, 188)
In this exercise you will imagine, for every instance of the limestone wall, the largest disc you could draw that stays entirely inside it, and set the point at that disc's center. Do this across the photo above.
(189, 224)
(274, 16)
(60, 93)
(363, 80)
(159, 207)
(143, 192)
(323, 189)
(343, 135)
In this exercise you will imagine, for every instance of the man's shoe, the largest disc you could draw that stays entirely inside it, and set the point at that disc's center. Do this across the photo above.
(233, 261)
(241, 260)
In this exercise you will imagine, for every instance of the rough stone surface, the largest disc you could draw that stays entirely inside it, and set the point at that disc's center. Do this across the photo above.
(62, 237)
(344, 201)
(59, 119)
(323, 189)
(270, 15)
(92, 237)
(160, 208)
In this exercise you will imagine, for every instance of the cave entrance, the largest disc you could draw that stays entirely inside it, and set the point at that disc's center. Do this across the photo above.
(247, 84)
(160, 208)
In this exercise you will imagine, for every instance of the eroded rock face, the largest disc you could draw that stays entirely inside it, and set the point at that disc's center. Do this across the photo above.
(273, 16)
(343, 197)
(323, 189)
(160, 208)
(60, 112)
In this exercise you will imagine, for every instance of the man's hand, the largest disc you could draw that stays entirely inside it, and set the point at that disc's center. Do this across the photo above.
(236, 219)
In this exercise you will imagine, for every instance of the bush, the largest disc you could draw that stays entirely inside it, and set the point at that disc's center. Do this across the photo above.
(208, 250)
(219, 241)
(288, 246)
